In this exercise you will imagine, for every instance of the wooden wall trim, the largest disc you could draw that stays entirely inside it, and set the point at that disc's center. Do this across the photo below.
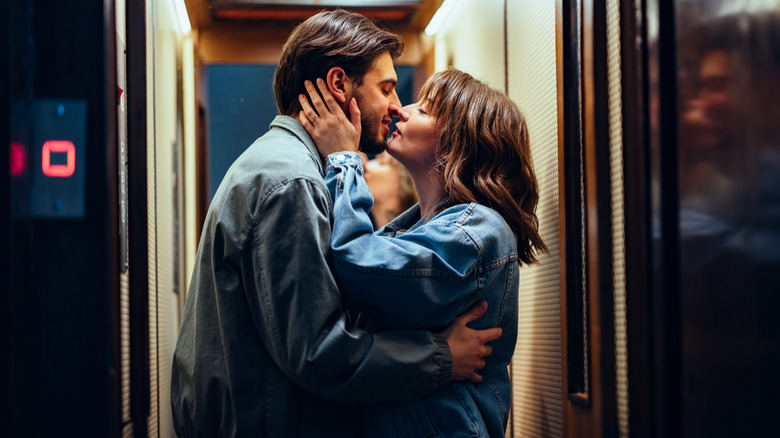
(593, 413)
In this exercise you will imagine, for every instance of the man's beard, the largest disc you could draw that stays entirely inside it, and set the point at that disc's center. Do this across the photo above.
(369, 140)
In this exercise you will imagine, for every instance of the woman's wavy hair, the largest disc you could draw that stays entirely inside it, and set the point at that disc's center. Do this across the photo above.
(329, 39)
(484, 154)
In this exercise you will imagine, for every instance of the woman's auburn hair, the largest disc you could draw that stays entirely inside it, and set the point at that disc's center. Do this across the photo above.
(484, 154)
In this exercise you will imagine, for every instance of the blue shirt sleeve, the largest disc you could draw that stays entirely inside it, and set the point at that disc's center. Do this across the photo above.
(423, 278)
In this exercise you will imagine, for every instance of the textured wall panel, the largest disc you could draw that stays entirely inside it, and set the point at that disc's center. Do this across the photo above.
(475, 41)
(536, 367)
(618, 216)
(124, 343)
(163, 169)
(162, 139)
(474, 36)
(168, 143)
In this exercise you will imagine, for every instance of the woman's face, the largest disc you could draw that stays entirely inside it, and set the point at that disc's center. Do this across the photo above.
(416, 139)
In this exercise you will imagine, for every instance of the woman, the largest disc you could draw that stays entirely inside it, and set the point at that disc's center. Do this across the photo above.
(466, 147)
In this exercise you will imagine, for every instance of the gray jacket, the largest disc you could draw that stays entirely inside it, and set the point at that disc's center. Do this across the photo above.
(265, 349)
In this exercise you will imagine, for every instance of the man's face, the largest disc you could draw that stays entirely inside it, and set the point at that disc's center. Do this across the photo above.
(378, 103)
(716, 100)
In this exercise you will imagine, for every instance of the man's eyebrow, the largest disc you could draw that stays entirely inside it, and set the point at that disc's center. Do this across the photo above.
(389, 80)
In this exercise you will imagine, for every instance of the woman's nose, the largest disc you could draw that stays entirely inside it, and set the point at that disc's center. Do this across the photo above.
(400, 112)
(396, 109)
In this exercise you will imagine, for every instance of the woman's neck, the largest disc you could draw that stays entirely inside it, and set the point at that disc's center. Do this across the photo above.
(430, 189)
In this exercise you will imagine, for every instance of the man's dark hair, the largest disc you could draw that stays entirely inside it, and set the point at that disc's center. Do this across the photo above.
(326, 40)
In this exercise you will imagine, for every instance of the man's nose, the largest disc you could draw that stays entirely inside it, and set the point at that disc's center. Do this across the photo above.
(396, 109)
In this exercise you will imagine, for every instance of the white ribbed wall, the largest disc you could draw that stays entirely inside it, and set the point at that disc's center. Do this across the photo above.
(163, 122)
(536, 367)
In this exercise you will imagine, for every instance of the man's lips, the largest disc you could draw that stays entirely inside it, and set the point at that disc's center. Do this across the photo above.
(386, 125)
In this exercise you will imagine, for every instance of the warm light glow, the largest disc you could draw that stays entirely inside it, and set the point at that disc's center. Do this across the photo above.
(58, 170)
(184, 18)
(439, 16)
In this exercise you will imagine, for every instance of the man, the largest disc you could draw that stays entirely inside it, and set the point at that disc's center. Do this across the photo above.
(265, 348)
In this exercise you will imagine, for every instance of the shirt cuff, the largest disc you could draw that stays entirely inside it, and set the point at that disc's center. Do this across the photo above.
(446, 359)
(340, 160)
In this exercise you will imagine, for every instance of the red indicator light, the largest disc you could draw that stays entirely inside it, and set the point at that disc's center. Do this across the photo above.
(59, 170)
(18, 159)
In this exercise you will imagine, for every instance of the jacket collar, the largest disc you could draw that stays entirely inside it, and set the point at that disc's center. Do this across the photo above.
(294, 127)
(403, 222)
(410, 219)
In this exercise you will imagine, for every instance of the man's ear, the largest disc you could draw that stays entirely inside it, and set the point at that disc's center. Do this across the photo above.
(340, 85)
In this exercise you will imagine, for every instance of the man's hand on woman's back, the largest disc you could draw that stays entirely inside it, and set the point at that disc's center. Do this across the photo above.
(468, 346)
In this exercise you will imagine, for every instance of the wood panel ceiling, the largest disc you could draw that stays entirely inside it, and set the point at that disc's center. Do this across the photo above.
(402, 15)
(253, 31)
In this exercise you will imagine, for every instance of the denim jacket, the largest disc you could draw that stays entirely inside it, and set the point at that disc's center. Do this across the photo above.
(265, 349)
(415, 274)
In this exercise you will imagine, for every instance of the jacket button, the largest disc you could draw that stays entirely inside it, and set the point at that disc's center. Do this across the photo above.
(341, 157)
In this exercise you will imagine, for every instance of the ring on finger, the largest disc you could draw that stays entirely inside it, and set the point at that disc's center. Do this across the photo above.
(314, 118)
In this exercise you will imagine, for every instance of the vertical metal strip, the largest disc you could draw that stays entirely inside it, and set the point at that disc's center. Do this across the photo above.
(124, 278)
(138, 248)
(152, 420)
(511, 425)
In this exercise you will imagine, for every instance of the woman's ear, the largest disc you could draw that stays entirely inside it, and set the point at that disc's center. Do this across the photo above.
(339, 84)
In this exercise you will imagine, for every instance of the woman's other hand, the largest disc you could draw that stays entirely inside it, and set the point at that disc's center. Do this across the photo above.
(325, 121)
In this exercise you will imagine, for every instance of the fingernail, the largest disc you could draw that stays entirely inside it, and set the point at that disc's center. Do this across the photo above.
(320, 81)
(307, 83)
(483, 305)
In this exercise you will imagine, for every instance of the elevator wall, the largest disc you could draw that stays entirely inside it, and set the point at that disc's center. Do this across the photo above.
(511, 46)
